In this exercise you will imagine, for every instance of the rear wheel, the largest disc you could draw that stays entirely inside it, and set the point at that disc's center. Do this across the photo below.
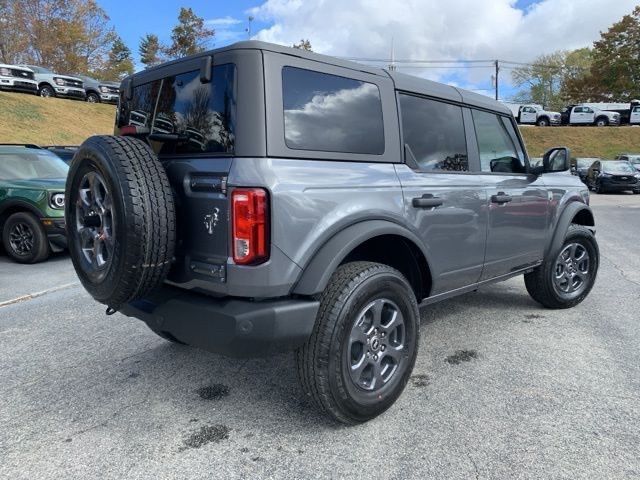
(566, 277)
(120, 219)
(24, 238)
(364, 344)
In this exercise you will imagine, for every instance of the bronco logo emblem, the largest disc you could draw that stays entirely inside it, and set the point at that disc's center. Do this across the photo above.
(210, 221)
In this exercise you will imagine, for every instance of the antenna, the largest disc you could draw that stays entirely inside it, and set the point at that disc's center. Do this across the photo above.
(392, 65)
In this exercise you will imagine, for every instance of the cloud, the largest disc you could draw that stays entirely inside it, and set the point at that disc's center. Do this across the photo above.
(223, 21)
(433, 29)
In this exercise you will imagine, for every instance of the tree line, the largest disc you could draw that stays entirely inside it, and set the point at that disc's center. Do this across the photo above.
(75, 37)
(609, 71)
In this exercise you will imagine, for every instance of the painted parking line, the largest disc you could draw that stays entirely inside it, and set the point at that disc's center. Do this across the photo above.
(30, 296)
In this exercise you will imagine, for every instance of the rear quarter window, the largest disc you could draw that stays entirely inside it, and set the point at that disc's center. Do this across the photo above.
(330, 113)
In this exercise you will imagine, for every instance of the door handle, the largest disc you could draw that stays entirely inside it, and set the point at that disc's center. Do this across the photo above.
(427, 201)
(501, 198)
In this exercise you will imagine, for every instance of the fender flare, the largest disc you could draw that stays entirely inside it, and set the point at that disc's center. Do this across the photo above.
(562, 225)
(317, 272)
(21, 204)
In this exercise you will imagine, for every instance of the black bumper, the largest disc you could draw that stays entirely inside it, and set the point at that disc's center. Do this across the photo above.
(231, 326)
(56, 233)
(20, 88)
(619, 187)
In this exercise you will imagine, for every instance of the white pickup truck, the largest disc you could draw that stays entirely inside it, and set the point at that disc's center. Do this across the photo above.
(532, 114)
(588, 115)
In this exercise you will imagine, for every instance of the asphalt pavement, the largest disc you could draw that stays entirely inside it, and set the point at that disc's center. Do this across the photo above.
(502, 388)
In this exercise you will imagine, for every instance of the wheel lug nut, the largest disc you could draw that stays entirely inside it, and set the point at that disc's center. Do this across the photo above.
(375, 357)
(382, 348)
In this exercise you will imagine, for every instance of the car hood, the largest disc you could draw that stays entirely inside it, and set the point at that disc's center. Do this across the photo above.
(36, 184)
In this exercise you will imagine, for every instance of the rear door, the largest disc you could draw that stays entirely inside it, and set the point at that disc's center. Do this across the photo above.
(443, 199)
(517, 202)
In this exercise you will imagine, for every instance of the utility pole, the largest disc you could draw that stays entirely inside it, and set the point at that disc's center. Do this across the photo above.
(497, 64)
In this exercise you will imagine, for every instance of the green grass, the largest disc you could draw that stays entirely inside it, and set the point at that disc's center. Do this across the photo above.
(45, 121)
(604, 142)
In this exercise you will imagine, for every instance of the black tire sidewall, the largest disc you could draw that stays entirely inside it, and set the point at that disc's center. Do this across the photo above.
(40, 248)
(51, 91)
(103, 285)
(94, 96)
(356, 402)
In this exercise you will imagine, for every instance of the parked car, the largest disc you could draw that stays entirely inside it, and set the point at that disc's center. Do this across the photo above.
(32, 182)
(613, 176)
(632, 158)
(580, 167)
(536, 115)
(17, 79)
(584, 115)
(332, 200)
(65, 152)
(52, 84)
(100, 91)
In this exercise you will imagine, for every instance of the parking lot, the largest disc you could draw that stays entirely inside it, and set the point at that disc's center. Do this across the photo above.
(502, 388)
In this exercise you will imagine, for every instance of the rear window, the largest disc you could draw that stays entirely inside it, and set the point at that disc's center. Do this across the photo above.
(330, 113)
(200, 116)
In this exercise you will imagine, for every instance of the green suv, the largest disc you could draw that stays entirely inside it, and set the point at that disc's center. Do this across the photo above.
(32, 182)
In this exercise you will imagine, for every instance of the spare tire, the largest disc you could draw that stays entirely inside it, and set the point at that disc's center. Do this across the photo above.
(120, 219)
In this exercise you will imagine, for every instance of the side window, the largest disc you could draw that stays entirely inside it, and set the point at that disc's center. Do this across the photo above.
(435, 133)
(636, 109)
(577, 110)
(138, 111)
(497, 151)
(330, 113)
(587, 110)
(202, 115)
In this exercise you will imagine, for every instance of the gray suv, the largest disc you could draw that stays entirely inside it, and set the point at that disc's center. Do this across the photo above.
(51, 84)
(259, 198)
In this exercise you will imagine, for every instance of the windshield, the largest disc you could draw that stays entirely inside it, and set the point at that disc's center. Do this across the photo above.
(617, 167)
(635, 159)
(586, 162)
(29, 165)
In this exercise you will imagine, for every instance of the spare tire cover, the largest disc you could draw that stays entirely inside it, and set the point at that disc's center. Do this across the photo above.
(120, 219)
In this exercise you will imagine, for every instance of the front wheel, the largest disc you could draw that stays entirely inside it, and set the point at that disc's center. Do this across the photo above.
(24, 238)
(543, 122)
(364, 344)
(566, 278)
(602, 122)
(93, 98)
(47, 92)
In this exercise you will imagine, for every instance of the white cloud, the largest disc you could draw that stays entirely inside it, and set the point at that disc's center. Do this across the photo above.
(433, 29)
(223, 21)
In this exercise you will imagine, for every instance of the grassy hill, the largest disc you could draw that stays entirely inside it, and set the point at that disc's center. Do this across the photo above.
(31, 119)
(47, 121)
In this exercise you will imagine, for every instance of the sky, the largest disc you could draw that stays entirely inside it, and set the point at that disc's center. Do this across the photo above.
(513, 30)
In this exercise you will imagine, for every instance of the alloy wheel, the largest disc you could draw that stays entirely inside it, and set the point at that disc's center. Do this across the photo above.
(378, 345)
(94, 221)
(21, 238)
(571, 272)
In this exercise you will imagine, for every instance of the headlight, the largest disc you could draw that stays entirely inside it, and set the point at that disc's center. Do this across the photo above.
(104, 89)
(58, 81)
(57, 201)
(5, 71)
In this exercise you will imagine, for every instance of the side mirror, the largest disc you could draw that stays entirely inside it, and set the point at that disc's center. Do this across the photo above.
(556, 160)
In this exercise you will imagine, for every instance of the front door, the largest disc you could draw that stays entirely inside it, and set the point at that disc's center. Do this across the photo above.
(579, 116)
(517, 202)
(528, 115)
(635, 115)
(443, 201)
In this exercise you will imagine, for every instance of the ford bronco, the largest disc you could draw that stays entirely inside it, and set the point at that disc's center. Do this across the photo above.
(258, 198)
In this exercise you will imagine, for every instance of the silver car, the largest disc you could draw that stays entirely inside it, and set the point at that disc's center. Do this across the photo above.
(51, 84)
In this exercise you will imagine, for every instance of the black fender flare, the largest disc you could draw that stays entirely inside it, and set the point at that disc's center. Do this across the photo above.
(562, 225)
(20, 205)
(317, 272)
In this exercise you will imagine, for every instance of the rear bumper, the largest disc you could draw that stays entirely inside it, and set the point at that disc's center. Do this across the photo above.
(231, 326)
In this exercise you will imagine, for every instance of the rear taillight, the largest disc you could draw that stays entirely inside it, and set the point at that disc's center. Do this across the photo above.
(250, 226)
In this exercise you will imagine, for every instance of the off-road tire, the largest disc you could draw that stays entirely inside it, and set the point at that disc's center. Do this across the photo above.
(143, 216)
(539, 283)
(320, 362)
(40, 250)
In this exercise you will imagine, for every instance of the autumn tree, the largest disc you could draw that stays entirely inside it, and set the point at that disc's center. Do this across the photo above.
(615, 68)
(65, 35)
(304, 44)
(541, 80)
(150, 50)
(189, 36)
(119, 63)
(12, 46)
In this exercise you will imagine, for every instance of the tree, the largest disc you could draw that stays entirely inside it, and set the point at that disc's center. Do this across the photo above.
(542, 79)
(119, 63)
(615, 70)
(189, 36)
(65, 35)
(150, 50)
(576, 70)
(11, 45)
(303, 45)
